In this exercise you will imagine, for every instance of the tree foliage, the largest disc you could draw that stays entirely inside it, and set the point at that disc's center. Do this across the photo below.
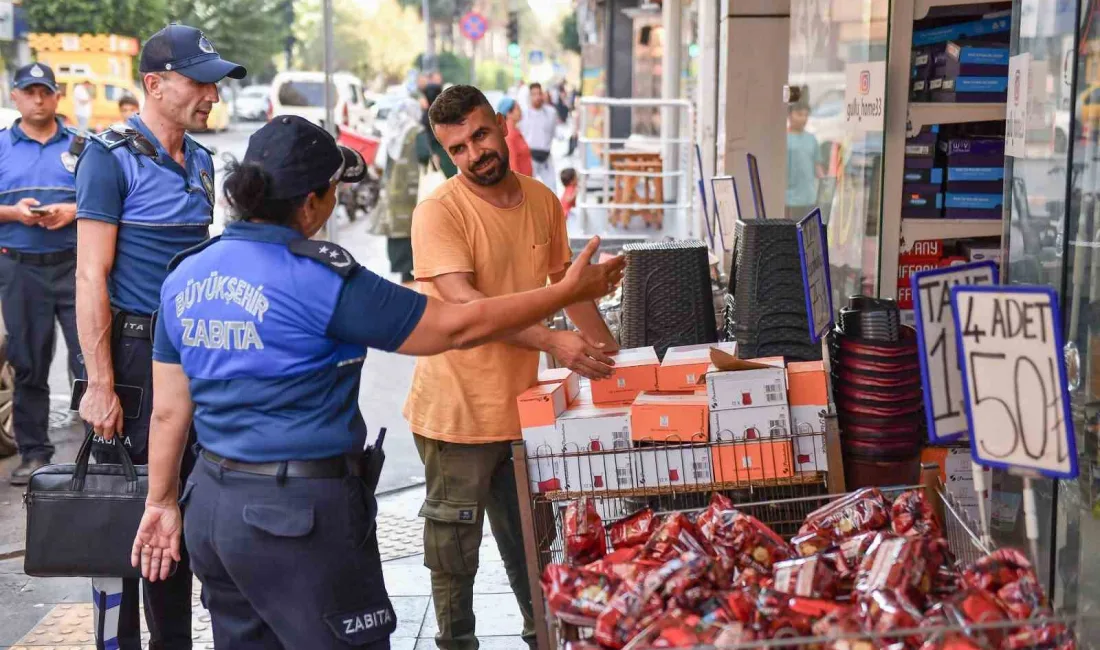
(138, 18)
(570, 38)
(454, 68)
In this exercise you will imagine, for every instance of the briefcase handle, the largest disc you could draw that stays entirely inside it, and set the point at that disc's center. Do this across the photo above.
(84, 456)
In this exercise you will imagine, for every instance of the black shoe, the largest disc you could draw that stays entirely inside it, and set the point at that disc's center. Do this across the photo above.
(22, 474)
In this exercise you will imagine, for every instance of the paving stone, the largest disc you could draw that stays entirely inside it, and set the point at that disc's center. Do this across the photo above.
(485, 642)
(496, 615)
(407, 579)
(410, 612)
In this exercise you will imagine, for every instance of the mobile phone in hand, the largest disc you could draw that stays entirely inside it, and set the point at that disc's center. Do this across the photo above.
(39, 211)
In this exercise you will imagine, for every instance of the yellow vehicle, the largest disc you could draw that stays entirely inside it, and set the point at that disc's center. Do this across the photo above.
(219, 117)
(105, 94)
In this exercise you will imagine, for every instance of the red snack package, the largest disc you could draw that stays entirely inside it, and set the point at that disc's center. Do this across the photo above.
(633, 530)
(813, 608)
(894, 563)
(811, 543)
(844, 620)
(750, 577)
(582, 645)
(808, 577)
(623, 564)
(575, 595)
(734, 634)
(855, 548)
(884, 611)
(1022, 599)
(746, 542)
(1053, 636)
(676, 535)
(913, 515)
(585, 539)
(952, 641)
(694, 582)
(777, 619)
(637, 604)
(709, 518)
(975, 607)
(738, 606)
(858, 512)
(999, 568)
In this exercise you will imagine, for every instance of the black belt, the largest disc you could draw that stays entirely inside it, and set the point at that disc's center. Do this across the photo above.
(134, 326)
(39, 259)
(337, 467)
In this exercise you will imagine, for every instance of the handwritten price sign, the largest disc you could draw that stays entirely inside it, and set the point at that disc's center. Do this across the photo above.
(1014, 378)
(939, 360)
(813, 252)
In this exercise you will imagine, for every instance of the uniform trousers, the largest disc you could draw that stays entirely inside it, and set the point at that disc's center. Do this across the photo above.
(290, 563)
(168, 602)
(33, 296)
(465, 482)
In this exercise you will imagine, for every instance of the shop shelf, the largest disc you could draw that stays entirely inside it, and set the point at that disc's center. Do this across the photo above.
(928, 113)
(921, 229)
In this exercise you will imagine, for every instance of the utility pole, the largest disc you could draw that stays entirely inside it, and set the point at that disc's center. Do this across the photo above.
(330, 121)
(429, 45)
(289, 48)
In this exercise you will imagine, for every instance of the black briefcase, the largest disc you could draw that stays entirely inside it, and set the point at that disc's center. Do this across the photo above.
(82, 518)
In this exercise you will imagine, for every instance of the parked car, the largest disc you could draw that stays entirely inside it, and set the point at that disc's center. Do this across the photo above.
(303, 94)
(252, 103)
(105, 93)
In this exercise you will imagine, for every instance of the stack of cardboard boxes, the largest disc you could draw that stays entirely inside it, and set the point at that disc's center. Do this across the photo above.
(649, 418)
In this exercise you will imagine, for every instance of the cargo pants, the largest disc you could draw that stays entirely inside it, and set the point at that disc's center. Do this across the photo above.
(464, 483)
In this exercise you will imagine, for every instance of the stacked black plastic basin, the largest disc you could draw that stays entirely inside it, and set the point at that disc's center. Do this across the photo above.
(877, 389)
(667, 296)
(766, 303)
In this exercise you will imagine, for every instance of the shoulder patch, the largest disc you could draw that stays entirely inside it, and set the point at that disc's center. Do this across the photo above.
(198, 144)
(327, 253)
(182, 255)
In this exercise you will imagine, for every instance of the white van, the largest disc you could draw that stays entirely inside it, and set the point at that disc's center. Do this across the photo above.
(303, 94)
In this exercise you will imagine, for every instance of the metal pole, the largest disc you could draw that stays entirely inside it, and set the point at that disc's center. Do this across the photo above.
(429, 45)
(330, 122)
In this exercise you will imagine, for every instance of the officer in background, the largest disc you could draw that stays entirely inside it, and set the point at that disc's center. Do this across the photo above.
(261, 337)
(145, 192)
(37, 255)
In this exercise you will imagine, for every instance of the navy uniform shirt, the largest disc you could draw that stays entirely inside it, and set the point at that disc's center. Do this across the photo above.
(159, 207)
(29, 168)
(273, 342)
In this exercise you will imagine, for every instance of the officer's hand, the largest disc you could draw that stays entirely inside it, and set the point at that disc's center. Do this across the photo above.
(581, 355)
(157, 543)
(590, 281)
(59, 216)
(26, 217)
(101, 408)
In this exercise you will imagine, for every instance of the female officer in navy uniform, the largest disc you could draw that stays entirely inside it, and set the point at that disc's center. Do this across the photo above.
(261, 338)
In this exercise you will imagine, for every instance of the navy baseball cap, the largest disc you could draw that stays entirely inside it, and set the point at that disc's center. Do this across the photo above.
(301, 157)
(186, 50)
(35, 74)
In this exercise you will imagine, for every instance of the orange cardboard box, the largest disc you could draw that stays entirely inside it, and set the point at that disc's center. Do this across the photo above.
(775, 362)
(808, 396)
(635, 371)
(684, 366)
(752, 461)
(540, 406)
(565, 376)
(669, 417)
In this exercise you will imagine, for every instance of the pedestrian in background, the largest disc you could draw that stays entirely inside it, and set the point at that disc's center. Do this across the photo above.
(128, 107)
(401, 175)
(429, 150)
(144, 193)
(519, 154)
(82, 104)
(539, 126)
(804, 164)
(38, 155)
(569, 194)
(280, 508)
(486, 232)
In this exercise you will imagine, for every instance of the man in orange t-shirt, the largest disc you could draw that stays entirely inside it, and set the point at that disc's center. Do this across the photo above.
(484, 232)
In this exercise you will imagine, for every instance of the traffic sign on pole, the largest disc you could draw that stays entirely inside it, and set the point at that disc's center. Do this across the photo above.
(474, 26)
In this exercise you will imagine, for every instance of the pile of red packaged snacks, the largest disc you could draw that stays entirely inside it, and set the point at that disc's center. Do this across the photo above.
(859, 565)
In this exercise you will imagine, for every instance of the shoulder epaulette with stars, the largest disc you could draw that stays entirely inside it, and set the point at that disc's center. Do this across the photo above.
(327, 253)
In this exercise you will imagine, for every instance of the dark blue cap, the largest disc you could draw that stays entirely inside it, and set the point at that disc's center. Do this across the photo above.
(35, 74)
(301, 157)
(183, 49)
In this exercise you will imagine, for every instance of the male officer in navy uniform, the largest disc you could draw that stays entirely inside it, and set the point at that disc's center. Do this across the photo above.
(37, 255)
(144, 192)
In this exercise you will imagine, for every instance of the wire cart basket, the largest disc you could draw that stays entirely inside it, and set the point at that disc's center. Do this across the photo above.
(782, 503)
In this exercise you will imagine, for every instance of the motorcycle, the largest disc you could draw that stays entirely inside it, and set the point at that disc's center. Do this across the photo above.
(364, 194)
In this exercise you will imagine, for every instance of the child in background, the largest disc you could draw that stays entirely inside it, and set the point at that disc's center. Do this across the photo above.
(128, 106)
(569, 196)
(804, 168)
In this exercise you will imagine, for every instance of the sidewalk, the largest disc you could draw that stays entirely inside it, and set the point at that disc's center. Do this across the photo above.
(53, 613)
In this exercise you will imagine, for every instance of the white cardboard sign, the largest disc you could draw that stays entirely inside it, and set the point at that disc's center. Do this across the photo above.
(1016, 110)
(944, 402)
(813, 252)
(864, 96)
(1014, 379)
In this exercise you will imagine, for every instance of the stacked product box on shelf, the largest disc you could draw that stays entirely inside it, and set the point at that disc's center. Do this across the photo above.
(635, 371)
(748, 406)
(978, 156)
(539, 408)
(966, 61)
(808, 394)
(922, 188)
(957, 476)
(683, 367)
(595, 428)
(565, 376)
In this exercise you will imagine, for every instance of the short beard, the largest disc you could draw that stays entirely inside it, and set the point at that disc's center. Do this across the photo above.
(498, 176)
